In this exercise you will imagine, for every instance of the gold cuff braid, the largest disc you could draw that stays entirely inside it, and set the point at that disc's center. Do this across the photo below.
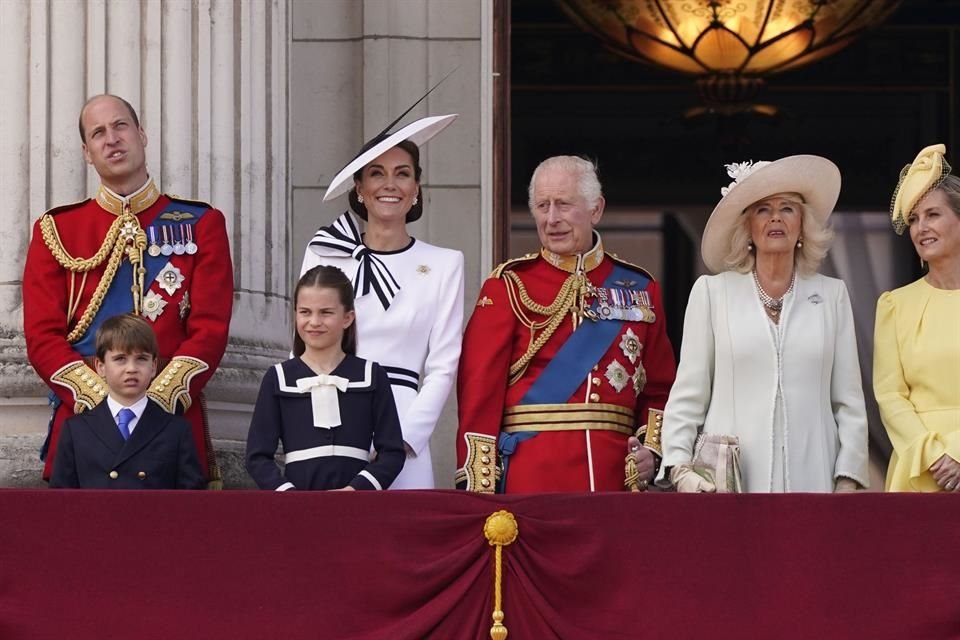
(651, 437)
(173, 383)
(88, 388)
(479, 470)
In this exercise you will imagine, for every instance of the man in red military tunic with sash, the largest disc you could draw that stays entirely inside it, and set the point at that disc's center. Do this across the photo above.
(130, 249)
(566, 358)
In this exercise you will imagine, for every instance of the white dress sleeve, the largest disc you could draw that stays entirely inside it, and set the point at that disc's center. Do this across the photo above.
(443, 356)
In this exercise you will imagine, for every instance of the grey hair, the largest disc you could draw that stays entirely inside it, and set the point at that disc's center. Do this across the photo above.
(816, 237)
(588, 184)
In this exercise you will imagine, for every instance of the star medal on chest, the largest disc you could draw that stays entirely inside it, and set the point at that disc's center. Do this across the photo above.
(191, 246)
(154, 249)
(153, 305)
(170, 278)
(630, 345)
(166, 248)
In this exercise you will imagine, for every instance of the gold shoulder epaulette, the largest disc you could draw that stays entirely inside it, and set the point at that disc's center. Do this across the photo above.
(198, 203)
(66, 207)
(498, 272)
(630, 265)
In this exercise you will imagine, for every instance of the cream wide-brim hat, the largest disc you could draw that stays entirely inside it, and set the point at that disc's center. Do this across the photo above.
(417, 132)
(815, 178)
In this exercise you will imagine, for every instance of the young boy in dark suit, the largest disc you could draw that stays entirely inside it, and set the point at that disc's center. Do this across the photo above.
(127, 441)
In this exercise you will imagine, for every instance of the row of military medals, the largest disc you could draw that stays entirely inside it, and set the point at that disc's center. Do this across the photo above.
(171, 240)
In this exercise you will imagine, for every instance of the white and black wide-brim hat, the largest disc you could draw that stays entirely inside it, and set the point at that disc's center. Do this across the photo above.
(418, 132)
(815, 178)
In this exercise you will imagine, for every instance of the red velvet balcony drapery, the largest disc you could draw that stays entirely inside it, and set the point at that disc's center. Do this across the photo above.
(82, 564)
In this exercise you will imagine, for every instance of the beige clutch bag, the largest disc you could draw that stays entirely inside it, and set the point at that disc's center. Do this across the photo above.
(717, 458)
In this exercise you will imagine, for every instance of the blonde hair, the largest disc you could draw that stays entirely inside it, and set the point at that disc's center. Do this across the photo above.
(816, 238)
(950, 186)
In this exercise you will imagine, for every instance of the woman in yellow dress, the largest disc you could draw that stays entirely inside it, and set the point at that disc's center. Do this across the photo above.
(916, 367)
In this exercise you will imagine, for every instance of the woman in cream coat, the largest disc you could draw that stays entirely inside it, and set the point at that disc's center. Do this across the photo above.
(769, 353)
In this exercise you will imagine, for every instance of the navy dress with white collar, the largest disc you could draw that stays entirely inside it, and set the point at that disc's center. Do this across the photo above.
(318, 457)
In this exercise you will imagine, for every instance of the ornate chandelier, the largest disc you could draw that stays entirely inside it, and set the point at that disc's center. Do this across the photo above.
(729, 44)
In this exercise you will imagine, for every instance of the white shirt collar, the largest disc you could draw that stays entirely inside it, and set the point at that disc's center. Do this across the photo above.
(137, 407)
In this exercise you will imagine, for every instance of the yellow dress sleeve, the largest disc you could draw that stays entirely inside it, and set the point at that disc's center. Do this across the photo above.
(915, 448)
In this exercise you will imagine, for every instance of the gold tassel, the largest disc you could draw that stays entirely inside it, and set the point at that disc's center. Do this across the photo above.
(500, 529)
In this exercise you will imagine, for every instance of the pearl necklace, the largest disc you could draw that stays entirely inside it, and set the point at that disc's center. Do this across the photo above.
(773, 306)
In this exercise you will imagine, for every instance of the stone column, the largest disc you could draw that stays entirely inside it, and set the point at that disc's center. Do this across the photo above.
(209, 79)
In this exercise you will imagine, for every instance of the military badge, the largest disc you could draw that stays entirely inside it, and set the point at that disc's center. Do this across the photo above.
(639, 379)
(617, 376)
(423, 269)
(176, 216)
(630, 345)
(170, 278)
(154, 248)
(185, 305)
(179, 247)
(624, 304)
(187, 231)
(129, 231)
(485, 301)
(153, 305)
(166, 248)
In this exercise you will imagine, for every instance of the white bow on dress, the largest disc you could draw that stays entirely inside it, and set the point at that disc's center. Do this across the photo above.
(323, 395)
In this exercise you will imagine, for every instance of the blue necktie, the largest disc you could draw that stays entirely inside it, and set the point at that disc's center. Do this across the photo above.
(124, 418)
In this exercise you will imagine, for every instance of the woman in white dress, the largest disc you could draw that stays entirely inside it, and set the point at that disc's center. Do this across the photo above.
(769, 353)
(409, 294)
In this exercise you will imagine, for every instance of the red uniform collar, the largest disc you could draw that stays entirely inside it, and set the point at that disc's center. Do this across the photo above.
(589, 260)
(140, 200)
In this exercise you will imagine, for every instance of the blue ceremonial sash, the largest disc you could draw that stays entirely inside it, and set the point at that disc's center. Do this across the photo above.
(567, 370)
(119, 298)
(575, 359)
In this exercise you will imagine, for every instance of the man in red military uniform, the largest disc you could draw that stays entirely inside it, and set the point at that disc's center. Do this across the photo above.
(130, 249)
(566, 358)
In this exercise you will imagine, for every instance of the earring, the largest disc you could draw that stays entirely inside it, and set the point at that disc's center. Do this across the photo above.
(800, 243)
(922, 264)
(749, 246)
(415, 200)
(360, 198)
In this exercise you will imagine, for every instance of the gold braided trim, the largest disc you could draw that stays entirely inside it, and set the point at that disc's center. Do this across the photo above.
(651, 438)
(479, 469)
(88, 388)
(173, 383)
(125, 236)
(569, 417)
(141, 200)
(590, 260)
(51, 238)
(556, 311)
(583, 425)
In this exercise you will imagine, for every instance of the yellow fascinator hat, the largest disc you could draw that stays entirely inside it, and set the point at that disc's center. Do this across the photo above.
(917, 179)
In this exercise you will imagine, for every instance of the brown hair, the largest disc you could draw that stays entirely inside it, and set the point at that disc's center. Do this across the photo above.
(126, 333)
(416, 210)
(133, 113)
(327, 277)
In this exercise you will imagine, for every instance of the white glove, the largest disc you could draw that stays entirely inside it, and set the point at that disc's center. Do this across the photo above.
(686, 480)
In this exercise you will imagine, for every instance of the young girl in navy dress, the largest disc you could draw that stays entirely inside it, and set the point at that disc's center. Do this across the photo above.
(325, 405)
